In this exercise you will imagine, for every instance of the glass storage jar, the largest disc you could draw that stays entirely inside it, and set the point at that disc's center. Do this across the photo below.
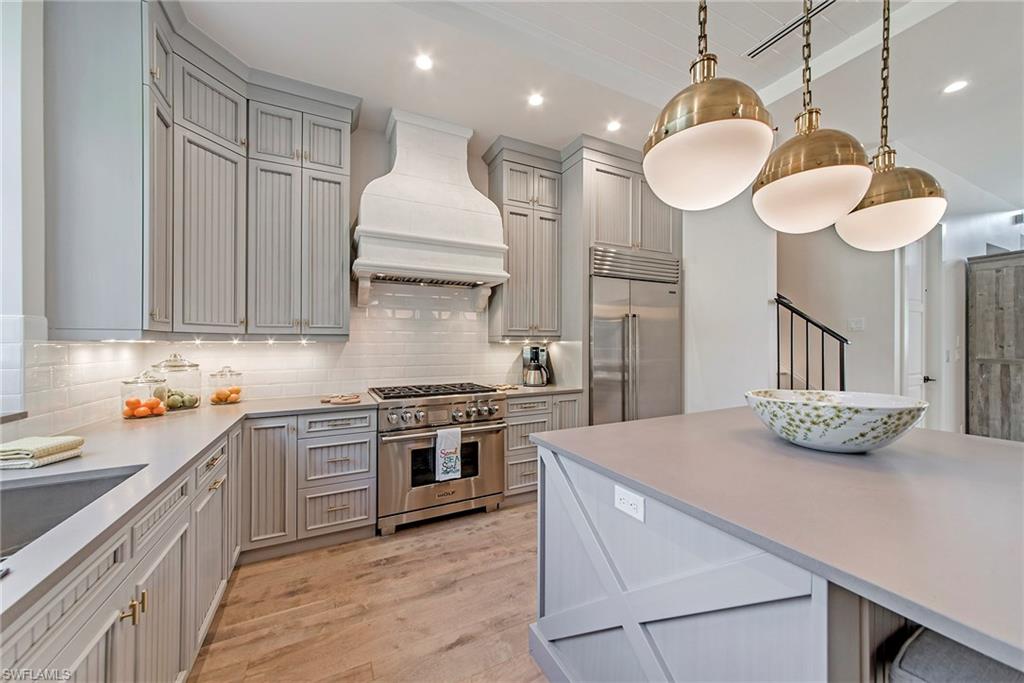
(225, 386)
(184, 382)
(140, 396)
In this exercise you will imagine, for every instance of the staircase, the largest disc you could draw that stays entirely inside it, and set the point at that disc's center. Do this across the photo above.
(809, 354)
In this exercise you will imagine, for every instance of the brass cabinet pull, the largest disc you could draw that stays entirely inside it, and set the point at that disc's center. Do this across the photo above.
(345, 458)
(297, 155)
(243, 142)
(132, 613)
(212, 462)
(154, 71)
(291, 428)
(143, 601)
(338, 508)
(216, 485)
(305, 155)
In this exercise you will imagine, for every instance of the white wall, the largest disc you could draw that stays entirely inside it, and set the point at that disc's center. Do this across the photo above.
(729, 325)
(964, 236)
(834, 283)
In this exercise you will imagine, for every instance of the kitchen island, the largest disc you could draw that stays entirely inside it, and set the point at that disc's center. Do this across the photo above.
(748, 557)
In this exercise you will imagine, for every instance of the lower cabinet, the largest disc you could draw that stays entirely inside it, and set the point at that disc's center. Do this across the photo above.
(104, 648)
(234, 496)
(268, 487)
(210, 557)
(528, 415)
(337, 507)
(566, 411)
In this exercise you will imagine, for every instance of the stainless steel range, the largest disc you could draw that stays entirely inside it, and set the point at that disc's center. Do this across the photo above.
(408, 419)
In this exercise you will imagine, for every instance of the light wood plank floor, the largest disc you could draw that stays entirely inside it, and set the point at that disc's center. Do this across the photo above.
(446, 601)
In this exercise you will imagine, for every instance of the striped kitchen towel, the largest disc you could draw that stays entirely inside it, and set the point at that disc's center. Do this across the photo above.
(39, 446)
(27, 463)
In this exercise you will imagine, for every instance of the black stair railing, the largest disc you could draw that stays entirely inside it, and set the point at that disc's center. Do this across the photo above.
(792, 317)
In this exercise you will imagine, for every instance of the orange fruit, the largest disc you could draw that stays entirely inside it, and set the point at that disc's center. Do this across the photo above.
(160, 409)
(233, 398)
(234, 390)
(128, 412)
(214, 399)
(151, 402)
(222, 394)
(143, 412)
(132, 402)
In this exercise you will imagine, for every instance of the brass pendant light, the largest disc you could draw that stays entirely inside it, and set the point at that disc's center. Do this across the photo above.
(710, 140)
(817, 175)
(902, 204)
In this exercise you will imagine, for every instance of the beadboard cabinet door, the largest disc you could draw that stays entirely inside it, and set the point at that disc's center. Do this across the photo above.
(209, 236)
(325, 253)
(209, 107)
(162, 587)
(566, 411)
(159, 229)
(612, 206)
(268, 486)
(658, 222)
(544, 273)
(159, 58)
(517, 303)
(275, 249)
(104, 648)
(234, 496)
(275, 133)
(210, 515)
(547, 190)
(517, 184)
(325, 144)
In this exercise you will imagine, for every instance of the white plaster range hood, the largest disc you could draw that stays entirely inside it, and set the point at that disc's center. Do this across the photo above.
(424, 222)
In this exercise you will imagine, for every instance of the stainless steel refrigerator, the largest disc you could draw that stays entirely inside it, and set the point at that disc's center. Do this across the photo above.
(636, 349)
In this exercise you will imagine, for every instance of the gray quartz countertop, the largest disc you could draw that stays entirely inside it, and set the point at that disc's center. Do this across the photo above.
(931, 527)
(548, 390)
(166, 446)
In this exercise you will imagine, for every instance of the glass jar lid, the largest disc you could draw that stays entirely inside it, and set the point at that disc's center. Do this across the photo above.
(175, 363)
(226, 372)
(145, 377)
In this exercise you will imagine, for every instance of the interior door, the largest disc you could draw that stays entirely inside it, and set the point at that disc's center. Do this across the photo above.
(914, 327)
(609, 318)
(658, 341)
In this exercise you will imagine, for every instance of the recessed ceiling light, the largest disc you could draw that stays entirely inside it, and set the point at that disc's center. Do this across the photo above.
(424, 62)
(613, 126)
(955, 86)
(536, 99)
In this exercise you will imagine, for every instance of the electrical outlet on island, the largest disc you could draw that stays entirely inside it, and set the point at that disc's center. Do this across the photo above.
(630, 503)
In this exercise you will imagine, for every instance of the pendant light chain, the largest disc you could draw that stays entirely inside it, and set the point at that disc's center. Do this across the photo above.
(884, 144)
(702, 21)
(807, 54)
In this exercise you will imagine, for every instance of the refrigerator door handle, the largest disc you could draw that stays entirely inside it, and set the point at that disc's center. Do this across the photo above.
(634, 366)
(627, 365)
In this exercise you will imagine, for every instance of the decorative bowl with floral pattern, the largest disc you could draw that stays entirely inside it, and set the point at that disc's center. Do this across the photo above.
(836, 421)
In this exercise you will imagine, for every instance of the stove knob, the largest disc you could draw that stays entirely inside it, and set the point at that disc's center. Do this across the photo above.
(471, 411)
(493, 409)
(420, 415)
(456, 415)
(393, 418)
(406, 416)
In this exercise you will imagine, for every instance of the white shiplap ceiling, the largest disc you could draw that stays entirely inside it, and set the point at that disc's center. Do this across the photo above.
(594, 61)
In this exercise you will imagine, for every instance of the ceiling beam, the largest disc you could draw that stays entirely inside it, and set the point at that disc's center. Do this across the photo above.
(914, 12)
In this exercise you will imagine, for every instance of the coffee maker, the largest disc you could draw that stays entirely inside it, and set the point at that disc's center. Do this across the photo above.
(536, 371)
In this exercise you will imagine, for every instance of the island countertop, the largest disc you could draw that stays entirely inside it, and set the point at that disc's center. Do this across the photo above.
(931, 527)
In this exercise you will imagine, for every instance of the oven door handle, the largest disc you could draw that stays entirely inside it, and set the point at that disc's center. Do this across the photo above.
(431, 435)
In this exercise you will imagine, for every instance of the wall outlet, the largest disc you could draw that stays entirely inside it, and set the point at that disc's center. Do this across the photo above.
(630, 503)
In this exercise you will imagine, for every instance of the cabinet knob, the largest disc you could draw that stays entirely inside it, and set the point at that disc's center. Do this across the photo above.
(296, 322)
(243, 142)
(305, 155)
(297, 154)
(154, 71)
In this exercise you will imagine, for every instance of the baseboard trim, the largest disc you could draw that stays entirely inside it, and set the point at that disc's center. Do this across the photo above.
(519, 499)
(275, 551)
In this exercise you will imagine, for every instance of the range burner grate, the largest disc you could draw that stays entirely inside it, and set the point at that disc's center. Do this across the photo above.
(424, 390)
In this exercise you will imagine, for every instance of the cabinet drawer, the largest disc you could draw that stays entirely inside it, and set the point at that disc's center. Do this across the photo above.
(517, 435)
(207, 466)
(521, 475)
(328, 459)
(326, 509)
(326, 424)
(529, 404)
(151, 523)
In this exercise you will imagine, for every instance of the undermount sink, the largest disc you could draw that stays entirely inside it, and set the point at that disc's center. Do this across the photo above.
(31, 507)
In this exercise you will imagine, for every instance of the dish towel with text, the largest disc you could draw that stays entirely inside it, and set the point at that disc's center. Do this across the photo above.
(448, 454)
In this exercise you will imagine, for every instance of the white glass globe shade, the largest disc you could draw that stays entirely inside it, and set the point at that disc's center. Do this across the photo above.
(811, 200)
(709, 164)
(892, 225)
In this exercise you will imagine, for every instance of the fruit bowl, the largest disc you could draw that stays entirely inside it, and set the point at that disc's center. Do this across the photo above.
(836, 421)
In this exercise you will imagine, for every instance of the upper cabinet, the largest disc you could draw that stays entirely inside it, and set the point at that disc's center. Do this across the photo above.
(526, 184)
(625, 212)
(244, 204)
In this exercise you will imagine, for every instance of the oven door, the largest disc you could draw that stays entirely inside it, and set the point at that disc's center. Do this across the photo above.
(406, 480)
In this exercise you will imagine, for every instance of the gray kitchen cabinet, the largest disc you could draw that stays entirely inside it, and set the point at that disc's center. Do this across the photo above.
(269, 485)
(275, 133)
(547, 190)
(158, 58)
(325, 144)
(161, 586)
(275, 249)
(337, 507)
(234, 496)
(104, 648)
(512, 306)
(613, 210)
(545, 274)
(517, 180)
(659, 222)
(206, 106)
(529, 186)
(158, 230)
(325, 253)
(209, 235)
(210, 553)
(566, 411)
